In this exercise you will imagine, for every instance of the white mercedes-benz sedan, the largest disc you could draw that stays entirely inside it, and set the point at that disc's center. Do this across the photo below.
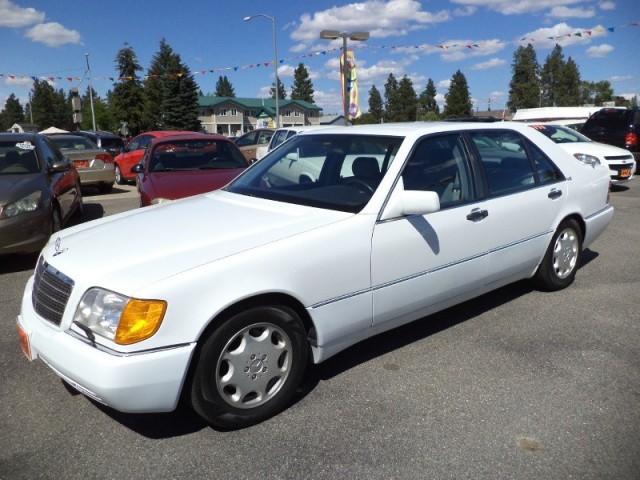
(230, 294)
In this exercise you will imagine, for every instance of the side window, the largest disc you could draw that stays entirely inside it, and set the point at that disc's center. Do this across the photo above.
(133, 144)
(144, 141)
(545, 169)
(439, 164)
(264, 138)
(247, 139)
(504, 157)
(279, 137)
(51, 152)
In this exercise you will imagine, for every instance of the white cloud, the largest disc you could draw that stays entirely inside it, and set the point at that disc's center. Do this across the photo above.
(512, 7)
(298, 47)
(456, 50)
(566, 12)
(331, 101)
(493, 63)
(288, 25)
(14, 16)
(53, 34)
(629, 96)
(382, 18)
(289, 70)
(444, 83)
(546, 37)
(264, 92)
(465, 11)
(620, 78)
(598, 51)
(607, 5)
(19, 81)
(496, 94)
(440, 99)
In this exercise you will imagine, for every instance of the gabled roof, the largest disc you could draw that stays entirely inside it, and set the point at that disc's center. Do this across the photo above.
(269, 104)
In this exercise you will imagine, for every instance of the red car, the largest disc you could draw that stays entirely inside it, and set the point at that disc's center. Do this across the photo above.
(183, 165)
(134, 151)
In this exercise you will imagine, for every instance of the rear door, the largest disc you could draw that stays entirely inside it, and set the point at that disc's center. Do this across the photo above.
(524, 193)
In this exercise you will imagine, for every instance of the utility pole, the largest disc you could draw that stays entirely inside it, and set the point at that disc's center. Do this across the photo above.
(30, 108)
(93, 113)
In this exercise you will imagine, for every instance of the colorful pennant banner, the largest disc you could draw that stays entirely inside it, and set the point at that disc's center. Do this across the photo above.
(443, 46)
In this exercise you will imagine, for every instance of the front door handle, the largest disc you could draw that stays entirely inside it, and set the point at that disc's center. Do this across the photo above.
(553, 194)
(476, 215)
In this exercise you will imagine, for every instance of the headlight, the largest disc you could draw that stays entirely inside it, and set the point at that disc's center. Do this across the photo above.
(159, 200)
(119, 318)
(25, 204)
(587, 159)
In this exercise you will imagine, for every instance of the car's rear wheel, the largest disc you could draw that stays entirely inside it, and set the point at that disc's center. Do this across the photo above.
(560, 263)
(119, 178)
(249, 367)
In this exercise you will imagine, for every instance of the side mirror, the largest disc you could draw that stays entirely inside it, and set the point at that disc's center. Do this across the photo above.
(137, 168)
(410, 202)
(60, 166)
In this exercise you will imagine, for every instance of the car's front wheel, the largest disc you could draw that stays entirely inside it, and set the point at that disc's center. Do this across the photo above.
(119, 178)
(562, 259)
(249, 367)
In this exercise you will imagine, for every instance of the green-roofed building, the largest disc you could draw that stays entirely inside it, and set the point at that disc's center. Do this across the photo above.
(235, 116)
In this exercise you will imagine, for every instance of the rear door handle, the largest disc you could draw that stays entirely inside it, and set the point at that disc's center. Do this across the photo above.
(553, 194)
(476, 215)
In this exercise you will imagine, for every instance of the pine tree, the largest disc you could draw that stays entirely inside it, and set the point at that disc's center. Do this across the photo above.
(153, 86)
(375, 105)
(43, 104)
(224, 87)
(179, 97)
(127, 101)
(595, 93)
(569, 85)
(458, 99)
(428, 108)
(524, 89)
(407, 100)
(12, 113)
(391, 108)
(282, 93)
(550, 76)
(302, 88)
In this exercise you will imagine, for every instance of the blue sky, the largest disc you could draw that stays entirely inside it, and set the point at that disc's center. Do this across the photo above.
(50, 37)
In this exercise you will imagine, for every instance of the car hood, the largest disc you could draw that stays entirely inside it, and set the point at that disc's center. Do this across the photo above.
(174, 185)
(14, 187)
(596, 149)
(127, 251)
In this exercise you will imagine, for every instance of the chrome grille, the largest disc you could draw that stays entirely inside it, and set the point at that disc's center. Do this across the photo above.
(51, 290)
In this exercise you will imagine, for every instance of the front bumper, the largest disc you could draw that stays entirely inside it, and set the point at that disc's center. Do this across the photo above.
(138, 382)
(25, 233)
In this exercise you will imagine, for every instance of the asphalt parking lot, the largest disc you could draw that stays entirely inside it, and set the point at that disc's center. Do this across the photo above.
(515, 384)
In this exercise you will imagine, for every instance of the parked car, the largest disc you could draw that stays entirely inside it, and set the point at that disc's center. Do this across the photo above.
(112, 143)
(615, 126)
(282, 134)
(185, 165)
(134, 151)
(620, 161)
(94, 164)
(249, 142)
(245, 285)
(39, 191)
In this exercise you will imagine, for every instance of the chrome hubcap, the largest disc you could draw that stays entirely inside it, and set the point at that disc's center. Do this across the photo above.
(254, 365)
(565, 253)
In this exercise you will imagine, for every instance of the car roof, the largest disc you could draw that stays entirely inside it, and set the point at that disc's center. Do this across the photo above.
(188, 136)
(98, 133)
(18, 137)
(167, 133)
(305, 128)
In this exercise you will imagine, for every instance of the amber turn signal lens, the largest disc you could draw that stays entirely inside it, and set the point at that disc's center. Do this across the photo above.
(140, 320)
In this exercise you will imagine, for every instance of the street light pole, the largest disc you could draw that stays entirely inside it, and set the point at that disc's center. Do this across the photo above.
(93, 113)
(275, 61)
(357, 36)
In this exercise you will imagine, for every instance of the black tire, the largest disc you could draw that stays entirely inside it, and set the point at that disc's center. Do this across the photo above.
(119, 178)
(106, 187)
(548, 276)
(204, 389)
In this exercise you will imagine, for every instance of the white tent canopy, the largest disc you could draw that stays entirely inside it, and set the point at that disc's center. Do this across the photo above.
(52, 130)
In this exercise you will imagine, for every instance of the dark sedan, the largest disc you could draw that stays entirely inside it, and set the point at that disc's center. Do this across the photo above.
(185, 165)
(39, 191)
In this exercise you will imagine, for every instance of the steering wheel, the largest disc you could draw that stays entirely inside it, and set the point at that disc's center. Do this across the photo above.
(360, 185)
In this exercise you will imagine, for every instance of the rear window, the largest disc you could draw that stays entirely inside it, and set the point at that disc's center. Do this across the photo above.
(74, 143)
(610, 118)
(195, 155)
(18, 158)
(112, 143)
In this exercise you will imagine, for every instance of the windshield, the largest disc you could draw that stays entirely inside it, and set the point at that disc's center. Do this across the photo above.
(74, 143)
(338, 172)
(561, 134)
(113, 143)
(206, 154)
(18, 158)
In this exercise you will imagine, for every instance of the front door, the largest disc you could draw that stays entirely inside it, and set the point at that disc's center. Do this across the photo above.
(419, 263)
